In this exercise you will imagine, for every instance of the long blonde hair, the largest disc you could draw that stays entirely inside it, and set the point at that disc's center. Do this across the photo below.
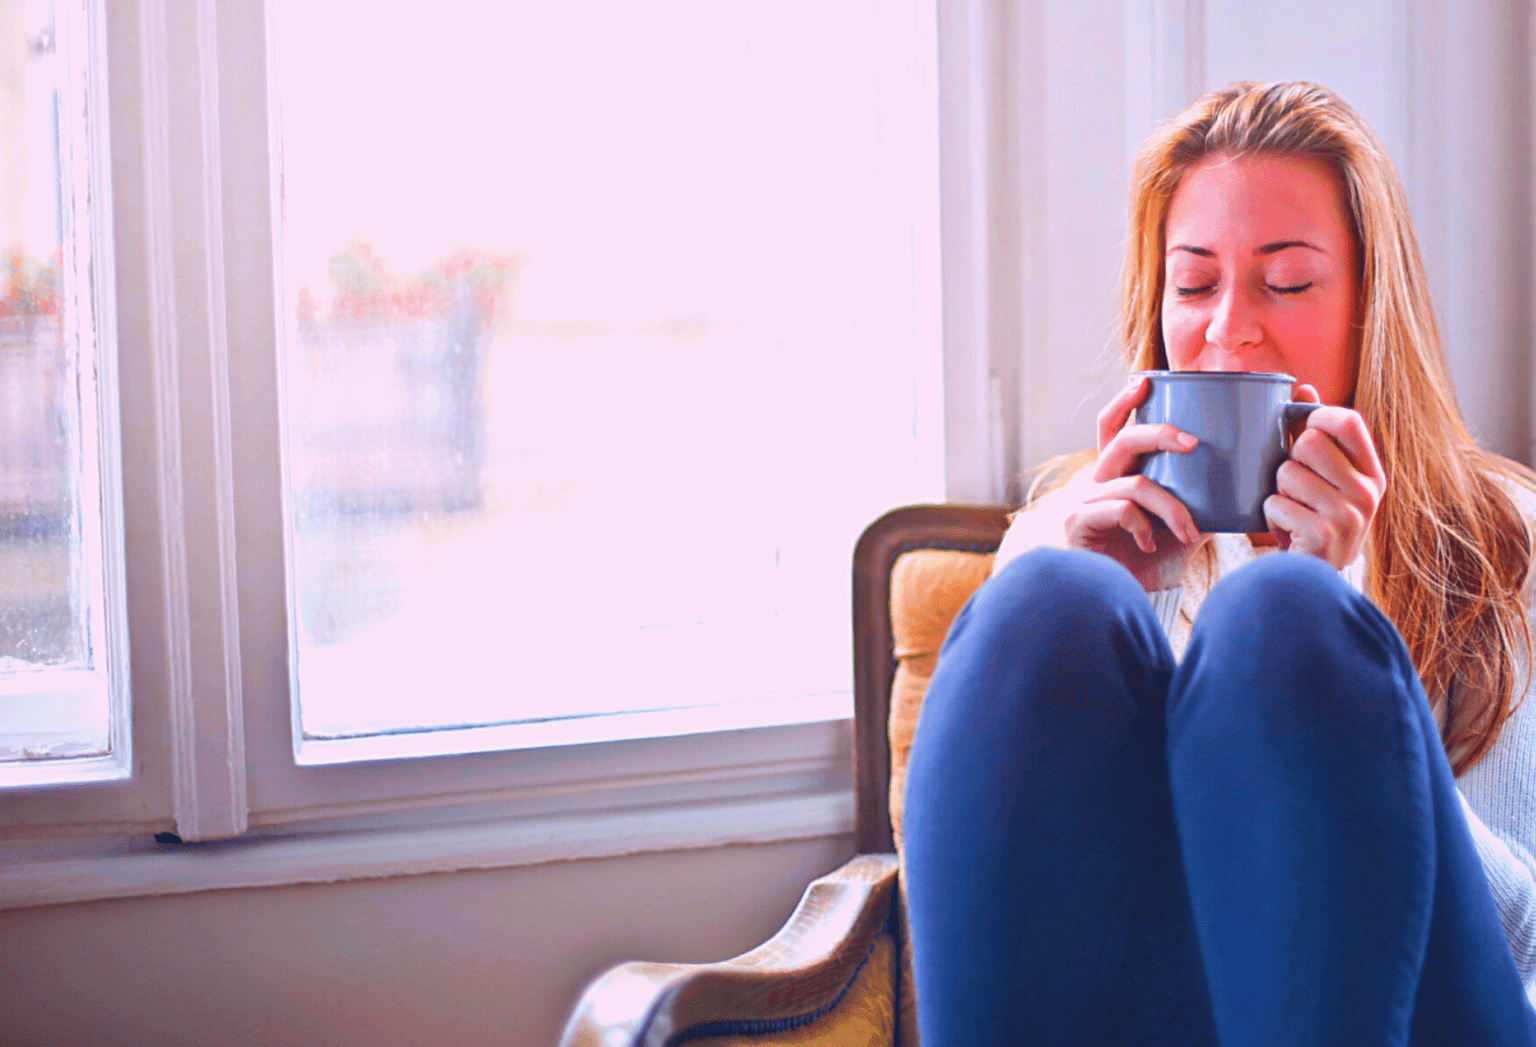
(1449, 551)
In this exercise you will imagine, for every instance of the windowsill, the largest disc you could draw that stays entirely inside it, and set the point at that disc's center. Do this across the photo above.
(798, 801)
(57, 728)
(54, 874)
(580, 730)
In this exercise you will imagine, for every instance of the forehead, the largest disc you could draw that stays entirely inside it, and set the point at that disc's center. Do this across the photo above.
(1231, 205)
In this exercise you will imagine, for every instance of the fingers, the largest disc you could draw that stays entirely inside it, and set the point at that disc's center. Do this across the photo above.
(1129, 445)
(1120, 446)
(1299, 528)
(1094, 520)
(1319, 455)
(1115, 413)
(1332, 522)
(1349, 432)
(1150, 497)
(1330, 489)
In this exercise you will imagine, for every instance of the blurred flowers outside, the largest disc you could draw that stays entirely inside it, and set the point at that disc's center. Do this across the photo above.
(40, 623)
(386, 400)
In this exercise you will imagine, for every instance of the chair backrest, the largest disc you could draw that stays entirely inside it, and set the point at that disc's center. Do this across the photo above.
(970, 528)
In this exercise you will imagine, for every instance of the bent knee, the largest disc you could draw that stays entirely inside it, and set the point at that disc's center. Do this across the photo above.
(1074, 583)
(1280, 591)
(1288, 627)
(1050, 596)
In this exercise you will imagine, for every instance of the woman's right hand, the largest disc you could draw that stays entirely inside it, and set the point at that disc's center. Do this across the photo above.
(1108, 509)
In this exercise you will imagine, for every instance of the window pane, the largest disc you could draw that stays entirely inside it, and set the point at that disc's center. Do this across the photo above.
(600, 353)
(53, 699)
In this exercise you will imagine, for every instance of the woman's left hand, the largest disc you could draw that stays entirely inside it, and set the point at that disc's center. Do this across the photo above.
(1330, 488)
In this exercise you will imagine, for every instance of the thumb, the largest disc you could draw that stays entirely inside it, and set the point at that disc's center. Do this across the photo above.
(1306, 394)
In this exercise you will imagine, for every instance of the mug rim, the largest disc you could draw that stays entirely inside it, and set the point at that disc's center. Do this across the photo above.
(1266, 376)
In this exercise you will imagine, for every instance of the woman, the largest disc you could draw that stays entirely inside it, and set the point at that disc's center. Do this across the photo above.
(1264, 842)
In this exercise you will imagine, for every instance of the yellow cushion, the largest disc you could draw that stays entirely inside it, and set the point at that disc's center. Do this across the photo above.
(864, 1017)
(928, 588)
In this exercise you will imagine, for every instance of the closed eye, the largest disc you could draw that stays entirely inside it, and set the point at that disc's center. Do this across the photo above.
(1297, 289)
(1188, 292)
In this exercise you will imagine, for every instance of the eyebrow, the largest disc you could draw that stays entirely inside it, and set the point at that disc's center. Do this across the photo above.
(1205, 252)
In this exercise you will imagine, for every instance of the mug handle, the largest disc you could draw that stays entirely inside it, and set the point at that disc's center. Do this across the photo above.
(1293, 412)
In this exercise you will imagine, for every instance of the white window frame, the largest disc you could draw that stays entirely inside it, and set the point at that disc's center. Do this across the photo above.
(65, 695)
(192, 207)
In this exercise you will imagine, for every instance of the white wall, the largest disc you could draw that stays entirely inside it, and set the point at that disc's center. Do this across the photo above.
(1063, 92)
(472, 958)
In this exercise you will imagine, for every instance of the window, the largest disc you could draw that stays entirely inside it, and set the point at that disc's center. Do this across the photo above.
(501, 397)
(63, 693)
(588, 274)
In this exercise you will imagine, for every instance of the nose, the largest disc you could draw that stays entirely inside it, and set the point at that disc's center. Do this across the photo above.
(1234, 330)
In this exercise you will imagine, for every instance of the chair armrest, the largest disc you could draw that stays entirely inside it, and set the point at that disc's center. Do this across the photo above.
(800, 970)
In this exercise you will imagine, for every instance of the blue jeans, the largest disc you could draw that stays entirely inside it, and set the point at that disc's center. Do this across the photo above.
(1261, 845)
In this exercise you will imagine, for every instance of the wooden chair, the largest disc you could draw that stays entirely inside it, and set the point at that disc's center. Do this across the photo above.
(838, 971)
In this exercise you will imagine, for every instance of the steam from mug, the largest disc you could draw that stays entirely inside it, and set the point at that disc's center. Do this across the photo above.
(1242, 420)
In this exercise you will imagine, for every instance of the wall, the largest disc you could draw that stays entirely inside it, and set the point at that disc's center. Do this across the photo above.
(465, 959)
(1045, 102)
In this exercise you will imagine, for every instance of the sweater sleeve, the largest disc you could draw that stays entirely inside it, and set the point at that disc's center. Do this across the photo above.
(1508, 867)
(1499, 799)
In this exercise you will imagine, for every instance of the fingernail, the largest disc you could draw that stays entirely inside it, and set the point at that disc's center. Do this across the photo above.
(1185, 441)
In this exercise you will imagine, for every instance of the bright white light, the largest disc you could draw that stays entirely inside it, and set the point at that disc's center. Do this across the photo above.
(694, 389)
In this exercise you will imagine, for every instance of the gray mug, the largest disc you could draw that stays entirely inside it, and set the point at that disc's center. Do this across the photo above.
(1242, 420)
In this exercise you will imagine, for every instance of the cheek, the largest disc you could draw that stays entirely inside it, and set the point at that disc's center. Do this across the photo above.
(1183, 335)
(1322, 347)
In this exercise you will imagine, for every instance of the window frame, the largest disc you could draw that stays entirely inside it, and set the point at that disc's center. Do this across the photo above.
(122, 792)
(195, 318)
(87, 326)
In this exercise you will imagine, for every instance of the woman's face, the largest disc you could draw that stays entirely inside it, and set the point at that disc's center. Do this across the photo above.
(1262, 273)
